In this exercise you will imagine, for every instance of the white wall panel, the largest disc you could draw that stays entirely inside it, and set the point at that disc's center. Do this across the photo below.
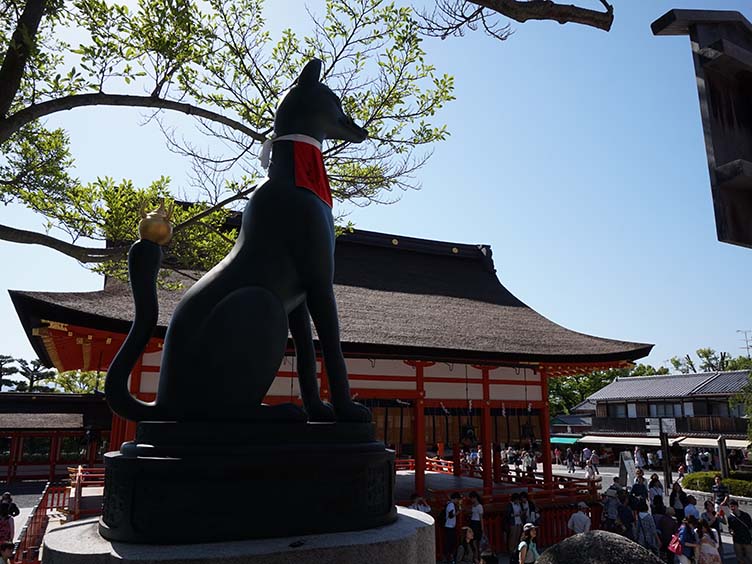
(290, 362)
(149, 382)
(379, 367)
(512, 392)
(509, 373)
(452, 390)
(281, 387)
(152, 359)
(381, 385)
(444, 370)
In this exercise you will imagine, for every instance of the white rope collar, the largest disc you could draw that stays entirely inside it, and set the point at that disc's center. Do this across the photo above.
(266, 148)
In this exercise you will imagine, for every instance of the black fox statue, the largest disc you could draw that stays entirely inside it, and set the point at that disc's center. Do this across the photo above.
(228, 335)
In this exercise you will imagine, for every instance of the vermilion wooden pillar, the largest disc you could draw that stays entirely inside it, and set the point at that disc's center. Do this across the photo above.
(485, 431)
(15, 446)
(420, 447)
(548, 471)
(54, 448)
(117, 434)
(420, 427)
(129, 432)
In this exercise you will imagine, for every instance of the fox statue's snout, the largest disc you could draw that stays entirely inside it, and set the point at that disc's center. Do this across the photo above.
(348, 130)
(311, 107)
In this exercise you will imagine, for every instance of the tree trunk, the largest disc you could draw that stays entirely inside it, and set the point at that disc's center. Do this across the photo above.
(21, 46)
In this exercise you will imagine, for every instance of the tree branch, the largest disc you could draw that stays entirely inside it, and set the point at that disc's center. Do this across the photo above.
(81, 254)
(215, 207)
(19, 50)
(522, 11)
(14, 122)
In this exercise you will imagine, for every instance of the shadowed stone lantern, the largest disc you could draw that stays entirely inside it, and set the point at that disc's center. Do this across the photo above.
(722, 53)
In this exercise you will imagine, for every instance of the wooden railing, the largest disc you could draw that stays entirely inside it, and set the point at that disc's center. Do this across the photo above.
(54, 498)
(432, 465)
(555, 501)
(84, 477)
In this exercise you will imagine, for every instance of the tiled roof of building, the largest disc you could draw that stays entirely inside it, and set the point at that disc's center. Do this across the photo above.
(572, 420)
(584, 407)
(672, 386)
(724, 383)
(410, 297)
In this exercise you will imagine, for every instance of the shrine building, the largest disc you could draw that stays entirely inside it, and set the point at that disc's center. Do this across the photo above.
(435, 345)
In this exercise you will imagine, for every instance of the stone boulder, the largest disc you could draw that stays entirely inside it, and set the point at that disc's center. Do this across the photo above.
(598, 547)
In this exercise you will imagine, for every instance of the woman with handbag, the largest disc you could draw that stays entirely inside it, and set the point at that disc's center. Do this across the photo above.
(684, 543)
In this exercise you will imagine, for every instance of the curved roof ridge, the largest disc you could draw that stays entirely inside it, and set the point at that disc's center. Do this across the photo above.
(707, 380)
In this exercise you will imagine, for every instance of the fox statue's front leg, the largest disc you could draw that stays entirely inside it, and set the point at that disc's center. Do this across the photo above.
(300, 328)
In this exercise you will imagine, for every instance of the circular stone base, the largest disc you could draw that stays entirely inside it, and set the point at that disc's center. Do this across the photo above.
(247, 483)
(409, 539)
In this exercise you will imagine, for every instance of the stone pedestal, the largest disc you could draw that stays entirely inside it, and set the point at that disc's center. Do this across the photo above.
(190, 482)
(409, 539)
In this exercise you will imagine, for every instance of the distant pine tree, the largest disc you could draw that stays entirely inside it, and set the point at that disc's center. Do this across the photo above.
(7, 369)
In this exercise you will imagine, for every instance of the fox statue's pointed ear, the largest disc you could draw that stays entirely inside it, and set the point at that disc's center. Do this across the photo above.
(310, 73)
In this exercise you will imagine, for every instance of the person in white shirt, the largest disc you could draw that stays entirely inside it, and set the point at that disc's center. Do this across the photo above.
(655, 488)
(589, 471)
(514, 520)
(450, 524)
(579, 522)
(476, 517)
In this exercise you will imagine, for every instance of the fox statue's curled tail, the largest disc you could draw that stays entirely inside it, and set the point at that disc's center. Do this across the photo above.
(144, 262)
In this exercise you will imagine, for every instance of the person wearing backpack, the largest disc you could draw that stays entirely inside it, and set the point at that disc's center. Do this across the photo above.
(450, 526)
(740, 526)
(527, 550)
(687, 540)
(646, 533)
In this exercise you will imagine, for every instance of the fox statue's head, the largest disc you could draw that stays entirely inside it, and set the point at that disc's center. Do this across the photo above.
(311, 108)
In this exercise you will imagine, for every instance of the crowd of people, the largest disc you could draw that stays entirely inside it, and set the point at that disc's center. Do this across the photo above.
(679, 532)
(469, 544)
(665, 520)
(587, 459)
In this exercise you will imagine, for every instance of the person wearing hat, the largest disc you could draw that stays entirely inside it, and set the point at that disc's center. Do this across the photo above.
(527, 550)
(740, 526)
(579, 522)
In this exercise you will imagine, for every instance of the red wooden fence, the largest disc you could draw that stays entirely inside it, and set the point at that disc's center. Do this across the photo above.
(54, 498)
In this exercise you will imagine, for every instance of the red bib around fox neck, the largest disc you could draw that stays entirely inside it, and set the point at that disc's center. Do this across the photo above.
(310, 172)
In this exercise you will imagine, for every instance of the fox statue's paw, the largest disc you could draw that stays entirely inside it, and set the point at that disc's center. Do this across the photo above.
(352, 412)
(320, 412)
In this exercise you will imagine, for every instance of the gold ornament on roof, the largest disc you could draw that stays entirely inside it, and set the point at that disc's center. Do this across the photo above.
(155, 226)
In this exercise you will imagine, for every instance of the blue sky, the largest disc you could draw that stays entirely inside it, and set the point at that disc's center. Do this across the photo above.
(576, 154)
